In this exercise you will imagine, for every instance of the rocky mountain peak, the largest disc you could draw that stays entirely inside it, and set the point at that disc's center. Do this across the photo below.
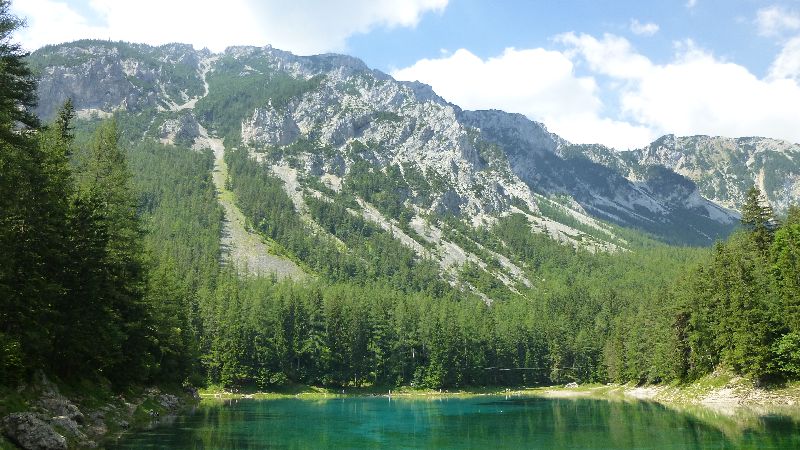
(724, 168)
(330, 116)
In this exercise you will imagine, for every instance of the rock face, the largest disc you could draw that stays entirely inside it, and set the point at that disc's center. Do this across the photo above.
(270, 127)
(182, 130)
(32, 433)
(722, 168)
(55, 422)
(659, 200)
(725, 168)
(107, 77)
(325, 114)
(58, 405)
(169, 402)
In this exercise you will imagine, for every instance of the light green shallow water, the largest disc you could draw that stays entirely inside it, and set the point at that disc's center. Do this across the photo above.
(479, 422)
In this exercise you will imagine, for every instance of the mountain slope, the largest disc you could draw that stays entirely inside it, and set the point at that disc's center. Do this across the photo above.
(723, 168)
(329, 127)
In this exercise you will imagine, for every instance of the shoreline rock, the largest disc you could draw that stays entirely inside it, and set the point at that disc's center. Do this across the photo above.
(30, 432)
(54, 421)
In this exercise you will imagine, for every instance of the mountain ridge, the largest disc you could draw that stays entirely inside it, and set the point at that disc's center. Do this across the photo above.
(324, 113)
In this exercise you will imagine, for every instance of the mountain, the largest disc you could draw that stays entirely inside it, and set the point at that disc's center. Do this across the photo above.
(401, 158)
(475, 164)
(417, 236)
(722, 168)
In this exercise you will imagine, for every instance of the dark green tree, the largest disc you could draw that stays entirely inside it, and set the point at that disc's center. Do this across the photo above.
(785, 259)
(758, 218)
(34, 192)
(17, 83)
(106, 184)
(64, 121)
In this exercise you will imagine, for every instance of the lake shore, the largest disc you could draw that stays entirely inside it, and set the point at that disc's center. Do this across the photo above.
(719, 393)
(49, 413)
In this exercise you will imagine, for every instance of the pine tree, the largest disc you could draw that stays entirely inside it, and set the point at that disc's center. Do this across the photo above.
(105, 185)
(785, 259)
(17, 83)
(34, 189)
(758, 218)
(63, 123)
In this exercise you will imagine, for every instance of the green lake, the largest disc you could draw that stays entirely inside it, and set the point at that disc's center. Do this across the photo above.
(475, 422)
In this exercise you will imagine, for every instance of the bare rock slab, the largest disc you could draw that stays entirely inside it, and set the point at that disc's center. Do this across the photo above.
(32, 433)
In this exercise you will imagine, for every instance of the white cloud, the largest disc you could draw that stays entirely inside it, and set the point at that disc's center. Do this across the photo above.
(643, 29)
(539, 83)
(695, 93)
(313, 26)
(787, 64)
(514, 78)
(613, 55)
(691, 4)
(301, 26)
(776, 20)
(50, 22)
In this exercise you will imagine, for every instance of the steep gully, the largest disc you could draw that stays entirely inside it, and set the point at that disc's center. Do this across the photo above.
(241, 246)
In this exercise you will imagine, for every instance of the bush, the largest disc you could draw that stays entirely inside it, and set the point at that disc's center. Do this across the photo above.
(11, 366)
(787, 355)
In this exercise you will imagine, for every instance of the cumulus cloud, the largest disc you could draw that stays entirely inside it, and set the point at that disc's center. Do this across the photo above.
(513, 78)
(776, 20)
(301, 26)
(787, 64)
(783, 26)
(695, 93)
(50, 22)
(313, 26)
(643, 29)
(612, 55)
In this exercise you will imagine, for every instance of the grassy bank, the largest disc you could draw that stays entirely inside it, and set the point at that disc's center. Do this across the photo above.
(720, 393)
(316, 392)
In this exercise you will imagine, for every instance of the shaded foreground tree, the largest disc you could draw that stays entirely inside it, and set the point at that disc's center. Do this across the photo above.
(32, 212)
(76, 294)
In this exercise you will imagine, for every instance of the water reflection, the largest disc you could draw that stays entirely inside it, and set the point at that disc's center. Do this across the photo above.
(494, 422)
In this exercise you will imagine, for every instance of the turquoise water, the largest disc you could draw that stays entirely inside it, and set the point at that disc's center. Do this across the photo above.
(479, 422)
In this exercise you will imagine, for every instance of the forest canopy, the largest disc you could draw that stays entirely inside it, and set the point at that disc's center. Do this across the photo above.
(111, 269)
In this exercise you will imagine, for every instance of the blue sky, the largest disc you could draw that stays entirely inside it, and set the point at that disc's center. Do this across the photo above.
(619, 73)
(487, 27)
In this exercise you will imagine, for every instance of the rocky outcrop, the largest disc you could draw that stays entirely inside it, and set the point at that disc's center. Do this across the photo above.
(182, 130)
(109, 76)
(70, 428)
(57, 422)
(270, 127)
(61, 414)
(30, 432)
(169, 402)
(722, 168)
(56, 404)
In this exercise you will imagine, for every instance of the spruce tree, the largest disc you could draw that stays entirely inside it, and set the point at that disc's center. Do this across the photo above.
(785, 259)
(17, 83)
(111, 230)
(758, 218)
(63, 123)
(34, 187)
